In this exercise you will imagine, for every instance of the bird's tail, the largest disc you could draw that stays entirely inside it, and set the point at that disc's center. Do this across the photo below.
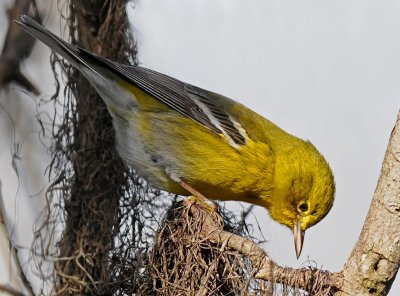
(70, 52)
(96, 69)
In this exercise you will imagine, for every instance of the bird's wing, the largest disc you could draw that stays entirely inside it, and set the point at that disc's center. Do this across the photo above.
(205, 107)
(196, 103)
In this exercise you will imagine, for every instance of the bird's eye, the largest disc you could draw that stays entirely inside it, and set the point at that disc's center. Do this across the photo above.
(303, 207)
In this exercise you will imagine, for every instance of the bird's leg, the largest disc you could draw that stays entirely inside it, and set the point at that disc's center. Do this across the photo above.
(198, 197)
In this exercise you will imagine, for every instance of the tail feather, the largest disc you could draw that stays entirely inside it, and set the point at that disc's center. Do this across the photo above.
(66, 50)
(83, 60)
(96, 69)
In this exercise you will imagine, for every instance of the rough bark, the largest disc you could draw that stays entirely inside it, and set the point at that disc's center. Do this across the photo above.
(375, 259)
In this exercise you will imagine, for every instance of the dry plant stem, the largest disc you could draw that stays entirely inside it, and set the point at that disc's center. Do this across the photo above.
(184, 262)
(92, 214)
(375, 259)
(17, 46)
(266, 269)
(9, 290)
(12, 255)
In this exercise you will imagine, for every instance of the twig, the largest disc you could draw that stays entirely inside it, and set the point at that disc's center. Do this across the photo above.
(10, 290)
(17, 46)
(13, 251)
(266, 269)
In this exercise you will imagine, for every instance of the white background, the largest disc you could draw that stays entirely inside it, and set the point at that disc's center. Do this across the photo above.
(327, 71)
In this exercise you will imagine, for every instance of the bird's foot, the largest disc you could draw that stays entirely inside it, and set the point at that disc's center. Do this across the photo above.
(199, 198)
(204, 202)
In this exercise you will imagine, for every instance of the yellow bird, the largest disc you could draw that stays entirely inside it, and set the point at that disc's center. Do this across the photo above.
(190, 141)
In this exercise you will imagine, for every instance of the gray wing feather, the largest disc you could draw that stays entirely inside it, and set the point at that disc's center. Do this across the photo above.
(189, 100)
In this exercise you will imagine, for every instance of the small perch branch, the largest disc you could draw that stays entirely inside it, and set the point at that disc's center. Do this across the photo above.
(266, 269)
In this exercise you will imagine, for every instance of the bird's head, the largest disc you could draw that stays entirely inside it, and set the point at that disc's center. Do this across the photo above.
(303, 191)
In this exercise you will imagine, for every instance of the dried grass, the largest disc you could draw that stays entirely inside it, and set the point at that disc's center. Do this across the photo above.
(182, 262)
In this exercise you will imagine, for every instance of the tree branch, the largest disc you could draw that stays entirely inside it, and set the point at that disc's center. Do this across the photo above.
(375, 259)
(17, 46)
(265, 268)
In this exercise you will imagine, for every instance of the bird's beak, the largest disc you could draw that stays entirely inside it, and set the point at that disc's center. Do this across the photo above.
(298, 237)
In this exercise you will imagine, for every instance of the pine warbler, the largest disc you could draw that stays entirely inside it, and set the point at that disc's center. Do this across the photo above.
(190, 141)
